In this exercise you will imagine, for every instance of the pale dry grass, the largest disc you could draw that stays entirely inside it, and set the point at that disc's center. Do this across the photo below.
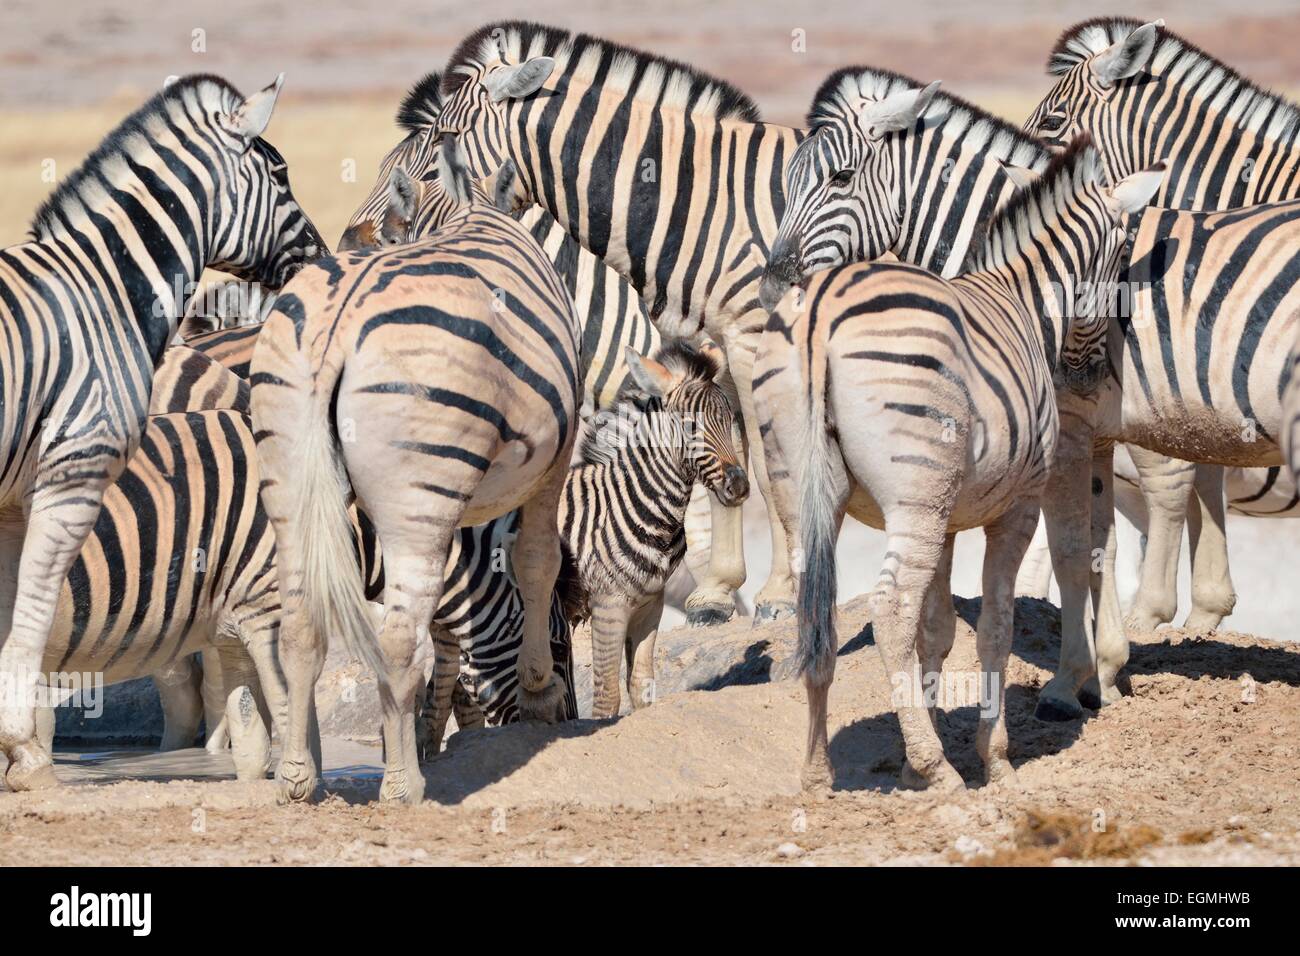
(316, 137)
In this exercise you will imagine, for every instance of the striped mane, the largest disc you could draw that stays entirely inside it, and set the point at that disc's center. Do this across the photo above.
(1186, 64)
(200, 94)
(422, 104)
(840, 92)
(621, 69)
(1038, 207)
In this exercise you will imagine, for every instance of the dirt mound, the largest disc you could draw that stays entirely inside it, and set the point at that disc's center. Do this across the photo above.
(1197, 765)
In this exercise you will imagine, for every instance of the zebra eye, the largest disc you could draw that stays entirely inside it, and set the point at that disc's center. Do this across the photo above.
(843, 177)
(1052, 122)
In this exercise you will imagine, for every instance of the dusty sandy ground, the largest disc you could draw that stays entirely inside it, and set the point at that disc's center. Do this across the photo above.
(1198, 765)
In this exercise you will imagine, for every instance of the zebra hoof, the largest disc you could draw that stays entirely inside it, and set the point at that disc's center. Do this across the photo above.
(709, 614)
(774, 611)
(543, 706)
(1057, 710)
(1090, 698)
(297, 781)
(397, 787)
(28, 773)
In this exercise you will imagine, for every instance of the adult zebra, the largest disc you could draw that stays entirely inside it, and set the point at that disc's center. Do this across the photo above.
(954, 379)
(1144, 92)
(341, 391)
(668, 175)
(87, 307)
(406, 203)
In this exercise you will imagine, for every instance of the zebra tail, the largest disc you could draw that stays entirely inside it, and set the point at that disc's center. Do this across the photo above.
(334, 595)
(815, 655)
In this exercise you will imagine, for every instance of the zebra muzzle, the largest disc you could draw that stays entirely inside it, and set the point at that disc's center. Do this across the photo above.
(735, 486)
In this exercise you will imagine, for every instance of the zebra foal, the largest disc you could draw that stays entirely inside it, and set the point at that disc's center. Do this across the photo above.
(925, 407)
(623, 507)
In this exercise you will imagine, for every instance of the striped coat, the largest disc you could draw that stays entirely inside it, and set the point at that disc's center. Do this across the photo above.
(440, 381)
(87, 307)
(1144, 92)
(924, 407)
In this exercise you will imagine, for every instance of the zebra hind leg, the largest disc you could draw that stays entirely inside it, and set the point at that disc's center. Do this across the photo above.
(440, 692)
(938, 626)
(536, 561)
(179, 691)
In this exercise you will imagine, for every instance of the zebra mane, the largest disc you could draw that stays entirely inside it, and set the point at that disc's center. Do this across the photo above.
(1038, 207)
(210, 94)
(421, 105)
(618, 68)
(979, 129)
(1180, 61)
(599, 447)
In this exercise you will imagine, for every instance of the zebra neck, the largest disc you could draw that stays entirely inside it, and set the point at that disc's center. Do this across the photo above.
(126, 234)
(1253, 160)
(641, 174)
(956, 193)
(651, 472)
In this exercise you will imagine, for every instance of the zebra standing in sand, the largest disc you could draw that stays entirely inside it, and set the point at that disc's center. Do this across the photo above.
(439, 383)
(87, 307)
(623, 507)
(1144, 94)
(668, 175)
(954, 381)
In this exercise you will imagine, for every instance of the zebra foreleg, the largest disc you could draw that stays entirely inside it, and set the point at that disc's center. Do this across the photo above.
(536, 563)
(776, 598)
(1004, 549)
(1213, 596)
(1111, 632)
(431, 724)
(1066, 509)
(57, 526)
(1166, 484)
(639, 651)
(182, 703)
(611, 616)
(246, 712)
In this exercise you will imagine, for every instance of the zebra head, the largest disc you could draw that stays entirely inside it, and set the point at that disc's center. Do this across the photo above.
(1092, 61)
(681, 382)
(487, 83)
(842, 195)
(260, 232)
(410, 198)
(405, 192)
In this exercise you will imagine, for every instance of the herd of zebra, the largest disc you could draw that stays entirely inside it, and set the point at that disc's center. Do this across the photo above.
(588, 280)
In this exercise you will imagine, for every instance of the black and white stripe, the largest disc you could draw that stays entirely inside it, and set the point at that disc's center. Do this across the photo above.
(87, 307)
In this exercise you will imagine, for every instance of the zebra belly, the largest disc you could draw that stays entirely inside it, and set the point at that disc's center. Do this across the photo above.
(1198, 433)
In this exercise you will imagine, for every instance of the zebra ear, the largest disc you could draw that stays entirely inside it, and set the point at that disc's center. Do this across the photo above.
(403, 194)
(651, 377)
(898, 111)
(252, 116)
(1126, 57)
(710, 350)
(1133, 192)
(453, 170)
(1021, 176)
(516, 82)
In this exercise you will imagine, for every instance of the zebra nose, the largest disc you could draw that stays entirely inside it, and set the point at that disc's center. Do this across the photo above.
(735, 484)
(782, 272)
(360, 236)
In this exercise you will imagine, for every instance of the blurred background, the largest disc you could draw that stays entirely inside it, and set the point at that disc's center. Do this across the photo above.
(69, 71)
